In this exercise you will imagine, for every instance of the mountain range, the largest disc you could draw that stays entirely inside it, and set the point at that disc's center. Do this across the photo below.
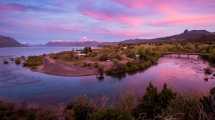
(9, 42)
(72, 44)
(186, 36)
(78, 43)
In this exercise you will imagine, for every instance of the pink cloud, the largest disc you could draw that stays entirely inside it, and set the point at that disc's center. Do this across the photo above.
(128, 33)
(169, 12)
(173, 16)
(130, 20)
(114, 14)
(133, 3)
(186, 20)
(173, 9)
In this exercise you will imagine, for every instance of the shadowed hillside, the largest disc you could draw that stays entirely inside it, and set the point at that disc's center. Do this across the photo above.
(186, 36)
(9, 42)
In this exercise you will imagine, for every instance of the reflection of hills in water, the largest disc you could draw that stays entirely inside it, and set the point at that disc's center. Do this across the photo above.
(193, 61)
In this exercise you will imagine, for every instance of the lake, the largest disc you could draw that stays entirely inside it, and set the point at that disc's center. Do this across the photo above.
(27, 51)
(184, 74)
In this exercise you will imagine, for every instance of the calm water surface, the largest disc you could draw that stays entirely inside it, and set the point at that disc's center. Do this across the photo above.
(26, 51)
(184, 74)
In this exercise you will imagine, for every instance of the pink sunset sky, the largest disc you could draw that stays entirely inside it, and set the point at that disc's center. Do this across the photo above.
(40, 21)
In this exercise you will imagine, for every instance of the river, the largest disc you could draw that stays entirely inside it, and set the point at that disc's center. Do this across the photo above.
(184, 74)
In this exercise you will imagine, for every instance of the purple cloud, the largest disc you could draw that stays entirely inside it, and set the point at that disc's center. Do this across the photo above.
(112, 20)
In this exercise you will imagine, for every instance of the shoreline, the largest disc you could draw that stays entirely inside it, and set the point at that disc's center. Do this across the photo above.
(65, 75)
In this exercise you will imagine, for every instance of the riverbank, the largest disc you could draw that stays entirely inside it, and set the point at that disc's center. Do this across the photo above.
(116, 61)
(113, 61)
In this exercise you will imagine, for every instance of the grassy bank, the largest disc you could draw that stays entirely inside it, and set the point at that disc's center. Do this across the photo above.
(33, 61)
(209, 55)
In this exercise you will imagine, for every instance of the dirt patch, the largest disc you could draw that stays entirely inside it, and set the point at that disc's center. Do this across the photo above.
(54, 67)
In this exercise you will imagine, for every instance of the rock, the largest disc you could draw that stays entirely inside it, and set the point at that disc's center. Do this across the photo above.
(208, 71)
(206, 79)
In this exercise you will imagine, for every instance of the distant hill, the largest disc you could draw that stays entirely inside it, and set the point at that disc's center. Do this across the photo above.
(72, 44)
(78, 44)
(9, 42)
(186, 36)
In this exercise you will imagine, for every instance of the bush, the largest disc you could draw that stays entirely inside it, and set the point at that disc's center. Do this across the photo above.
(132, 67)
(66, 56)
(34, 61)
(118, 70)
(183, 108)
(208, 104)
(131, 53)
(111, 114)
(208, 71)
(79, 110)
(87, 50)
(153, 103)
(103, 57)
(5, 62)
(166, 96)
(9, 111)
(100, 75)
(148, 106)
(209, 55)
(18, 61)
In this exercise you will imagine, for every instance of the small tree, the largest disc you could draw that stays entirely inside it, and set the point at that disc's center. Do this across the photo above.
(111, 114)
(148, 107)
(153, 103)
(166, 96)
(80, 109)
(87, 50)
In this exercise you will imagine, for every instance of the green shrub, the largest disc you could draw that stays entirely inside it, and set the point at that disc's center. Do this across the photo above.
(110, 114)
(166, 96)
(208, 104)
(87, 50)
(103, 57)
(118, 70)
(184, 108)
(148, 106)
(67, 56)
(131, 53)
(34, 61)
(18, 61)
(79, 110)
(209, 55)
(132, 67)
(9, 111)
(153, 103)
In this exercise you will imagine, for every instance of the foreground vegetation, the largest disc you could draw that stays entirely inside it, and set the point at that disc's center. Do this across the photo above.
(154, 105)
(9, 111)
(209, 55)
(33, 61)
